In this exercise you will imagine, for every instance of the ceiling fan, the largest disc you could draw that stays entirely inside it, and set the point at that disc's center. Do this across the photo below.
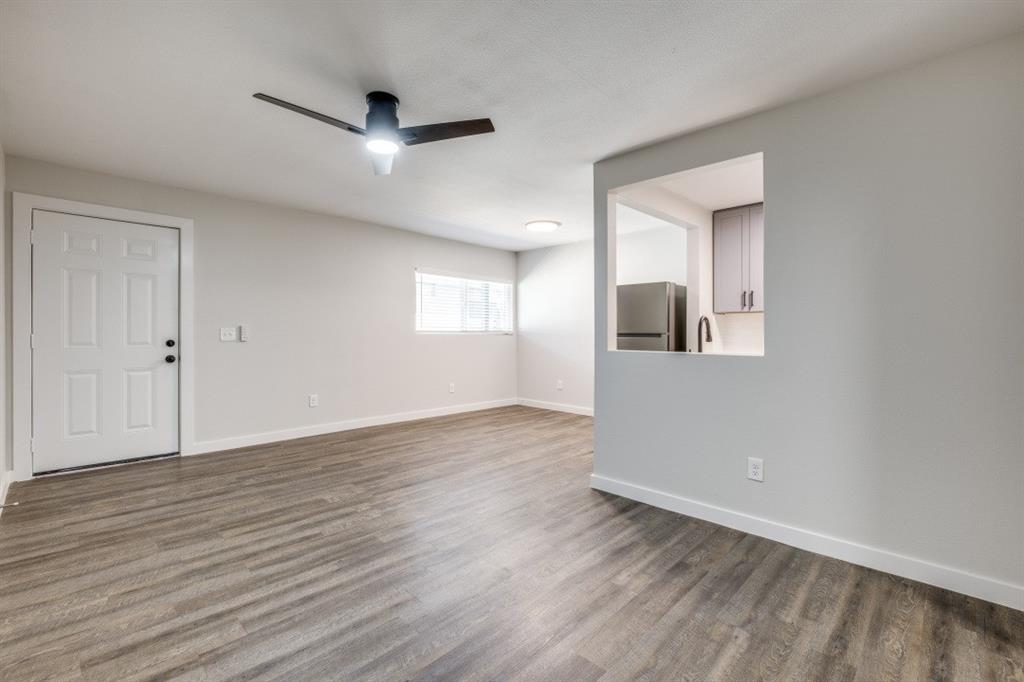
(382, 132)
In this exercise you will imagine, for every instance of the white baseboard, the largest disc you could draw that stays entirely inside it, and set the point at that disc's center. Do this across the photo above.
(559, 407)
(982, 587)
(202, 447)
(6, 478)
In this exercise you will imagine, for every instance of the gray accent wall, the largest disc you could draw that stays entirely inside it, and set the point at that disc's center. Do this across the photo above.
(889, 404)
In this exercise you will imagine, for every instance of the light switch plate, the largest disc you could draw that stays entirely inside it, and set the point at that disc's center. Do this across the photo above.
(228, 333)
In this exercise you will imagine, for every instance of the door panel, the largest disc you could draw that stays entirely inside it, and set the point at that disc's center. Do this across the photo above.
(139, 293)
(82, 243)
(81, 308)
(139, 398)
(81, 403)
(756, 283)
(104, 302)
(729, 261)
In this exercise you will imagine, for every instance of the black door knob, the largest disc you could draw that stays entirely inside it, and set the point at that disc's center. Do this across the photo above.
(170, 358)
(170, 343)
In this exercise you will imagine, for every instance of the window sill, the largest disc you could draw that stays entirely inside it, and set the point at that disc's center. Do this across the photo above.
(423, 333)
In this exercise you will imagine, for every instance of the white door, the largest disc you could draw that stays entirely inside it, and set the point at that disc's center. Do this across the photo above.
(104, 341)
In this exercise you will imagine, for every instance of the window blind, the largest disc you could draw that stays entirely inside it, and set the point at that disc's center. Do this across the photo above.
(460, 305)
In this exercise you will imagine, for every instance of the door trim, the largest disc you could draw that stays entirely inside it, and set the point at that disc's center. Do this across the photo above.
(21, 304)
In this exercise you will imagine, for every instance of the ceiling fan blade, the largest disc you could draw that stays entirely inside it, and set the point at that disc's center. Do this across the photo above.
(312, 114)
(444, 131)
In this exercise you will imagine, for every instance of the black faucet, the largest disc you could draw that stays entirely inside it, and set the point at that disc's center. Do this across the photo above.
(707, 331)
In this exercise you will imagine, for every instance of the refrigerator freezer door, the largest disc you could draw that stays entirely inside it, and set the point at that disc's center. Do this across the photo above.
(643, 342)
(643, 308)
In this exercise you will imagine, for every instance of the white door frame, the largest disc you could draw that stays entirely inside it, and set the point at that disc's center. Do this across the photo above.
(21, 303)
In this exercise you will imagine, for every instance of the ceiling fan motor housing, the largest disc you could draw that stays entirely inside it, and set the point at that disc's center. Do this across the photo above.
(382, 114)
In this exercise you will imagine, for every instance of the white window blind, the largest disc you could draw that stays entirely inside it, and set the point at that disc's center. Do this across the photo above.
(459, 305)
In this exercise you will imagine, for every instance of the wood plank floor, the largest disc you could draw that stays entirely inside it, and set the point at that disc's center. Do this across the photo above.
(461, 548)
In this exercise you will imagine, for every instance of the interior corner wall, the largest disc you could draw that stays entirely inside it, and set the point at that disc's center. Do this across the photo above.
(331, 306)
(655, 255)
(555, 300)
(889, 405)
(6, 465)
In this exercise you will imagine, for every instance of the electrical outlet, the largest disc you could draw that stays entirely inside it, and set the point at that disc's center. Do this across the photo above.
(228, 333)
(755, 469)
(314, 400)
(558, 385)
(451, 387)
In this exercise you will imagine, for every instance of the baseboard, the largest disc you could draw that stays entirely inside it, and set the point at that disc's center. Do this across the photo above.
(215, 445)
(982, 587)
(559, 407)
(6, 478)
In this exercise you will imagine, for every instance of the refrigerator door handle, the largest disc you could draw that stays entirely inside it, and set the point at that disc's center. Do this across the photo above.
(743, 300)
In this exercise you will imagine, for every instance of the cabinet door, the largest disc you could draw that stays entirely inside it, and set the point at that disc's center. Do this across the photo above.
(755, 286)
(729, 259)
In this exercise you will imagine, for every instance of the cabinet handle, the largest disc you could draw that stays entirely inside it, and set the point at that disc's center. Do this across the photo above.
(751, 299)
(743, 300)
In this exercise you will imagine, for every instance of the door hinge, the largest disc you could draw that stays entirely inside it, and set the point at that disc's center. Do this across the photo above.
(32, 341)
(32, 445)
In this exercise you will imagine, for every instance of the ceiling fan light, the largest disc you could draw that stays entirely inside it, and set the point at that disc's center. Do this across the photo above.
(543, 225)
(381, 145)
(381, 163)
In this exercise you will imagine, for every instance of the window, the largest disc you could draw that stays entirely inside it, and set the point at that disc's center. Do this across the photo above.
(457, 305)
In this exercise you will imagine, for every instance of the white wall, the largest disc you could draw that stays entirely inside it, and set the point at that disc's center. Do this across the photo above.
(656, 255)
(330, 303)
(889, 406)
(556, 326)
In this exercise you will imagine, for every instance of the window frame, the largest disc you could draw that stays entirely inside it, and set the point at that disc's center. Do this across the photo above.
(469, 277)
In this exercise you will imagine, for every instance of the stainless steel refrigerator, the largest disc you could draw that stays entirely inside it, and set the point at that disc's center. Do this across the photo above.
(652, 316)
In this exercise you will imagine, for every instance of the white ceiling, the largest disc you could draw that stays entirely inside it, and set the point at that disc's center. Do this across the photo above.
(723, 185)
(629, 220)
(161, 91)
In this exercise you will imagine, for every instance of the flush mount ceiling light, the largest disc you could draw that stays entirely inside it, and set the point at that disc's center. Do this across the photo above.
(543, 225)
(382, 132)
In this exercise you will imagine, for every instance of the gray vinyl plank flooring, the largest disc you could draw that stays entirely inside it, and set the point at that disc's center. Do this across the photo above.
(467, 547)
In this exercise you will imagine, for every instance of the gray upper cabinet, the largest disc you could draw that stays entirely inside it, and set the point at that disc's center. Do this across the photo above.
(729, 228)
(739, 259)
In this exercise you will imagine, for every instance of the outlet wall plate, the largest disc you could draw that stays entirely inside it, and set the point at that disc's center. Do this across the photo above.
(314, 400)
(755, 469)
(228, 333)
(451, 387)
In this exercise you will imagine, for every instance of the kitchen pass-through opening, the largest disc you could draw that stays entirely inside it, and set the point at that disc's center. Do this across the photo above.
(686, 254)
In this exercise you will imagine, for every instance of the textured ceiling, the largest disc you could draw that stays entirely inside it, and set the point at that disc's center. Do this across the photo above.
(161, 91)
